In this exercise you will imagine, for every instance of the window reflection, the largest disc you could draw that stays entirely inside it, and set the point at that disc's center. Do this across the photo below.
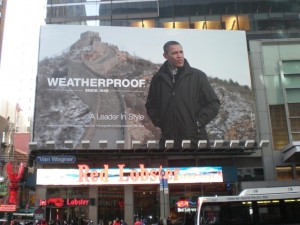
(218, 14)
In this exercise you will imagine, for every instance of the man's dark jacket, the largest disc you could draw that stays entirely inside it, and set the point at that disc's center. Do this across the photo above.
(182, 109)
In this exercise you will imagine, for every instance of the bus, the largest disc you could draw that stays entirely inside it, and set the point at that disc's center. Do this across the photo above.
(258, 206)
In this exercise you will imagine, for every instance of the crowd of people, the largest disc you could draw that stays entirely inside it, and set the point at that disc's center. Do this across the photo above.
(117, 221)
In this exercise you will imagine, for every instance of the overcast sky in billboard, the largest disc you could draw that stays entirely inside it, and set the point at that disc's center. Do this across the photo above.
(219, 53)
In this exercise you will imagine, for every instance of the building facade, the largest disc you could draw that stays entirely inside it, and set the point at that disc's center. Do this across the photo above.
(2, 22)
(272, 30)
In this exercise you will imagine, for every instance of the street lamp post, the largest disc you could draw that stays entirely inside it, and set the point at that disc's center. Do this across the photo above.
(164, 202)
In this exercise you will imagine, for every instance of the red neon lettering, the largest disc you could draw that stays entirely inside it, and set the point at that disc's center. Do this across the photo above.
(144, 173)
(85, 173)
(134, 175)
(77, 202)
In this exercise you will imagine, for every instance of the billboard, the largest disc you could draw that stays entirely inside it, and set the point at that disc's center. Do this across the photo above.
(92, 82)
(122, 175)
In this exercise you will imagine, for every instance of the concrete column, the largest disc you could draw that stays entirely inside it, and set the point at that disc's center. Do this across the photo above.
(40, 194)
(93, 209)
(128, 204)
(164, 204)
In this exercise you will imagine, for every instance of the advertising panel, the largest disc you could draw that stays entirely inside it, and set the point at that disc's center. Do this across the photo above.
(128, 176)
(92, 82)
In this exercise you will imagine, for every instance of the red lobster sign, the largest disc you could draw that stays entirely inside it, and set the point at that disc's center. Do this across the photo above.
(14, 181)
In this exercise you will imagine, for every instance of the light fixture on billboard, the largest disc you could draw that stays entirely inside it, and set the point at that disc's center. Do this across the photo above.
(85, 144)
(33, 145)
(135, 144)
(249, 143)
(69, 144)
(202, 143)
(50, 144)
(169, 144)
(152, 144)
(186, 143)
(103, 144)
(120, 144)
(218, 143)
(234, 143)
(264, 143)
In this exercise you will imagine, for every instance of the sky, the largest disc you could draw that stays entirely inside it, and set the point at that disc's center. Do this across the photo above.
(20, 51)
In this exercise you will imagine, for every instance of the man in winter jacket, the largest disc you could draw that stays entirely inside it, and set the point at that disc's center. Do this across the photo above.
(181, 101)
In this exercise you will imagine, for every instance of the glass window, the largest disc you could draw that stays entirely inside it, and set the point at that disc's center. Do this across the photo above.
(284, 173)
(180, 8)
(105, 10)
(244, 22)
(276, 24)
(166, 9)
(110, 203)
(213, 8)
(66, 212)
(262, 6)
(298, 172)
(228, 7)
(269, 212)
(295, 119)
(240, 213)
(292, 22)
(243, 6)
(182, 23)
(230, 22)
(66, 192)
(142, 23)
(146, 203)
(279, 126)
(214, 23)
(291, 67)
(292, 209)
(250, 174)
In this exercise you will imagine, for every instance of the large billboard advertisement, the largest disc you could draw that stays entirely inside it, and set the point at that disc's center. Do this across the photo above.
(92, 82)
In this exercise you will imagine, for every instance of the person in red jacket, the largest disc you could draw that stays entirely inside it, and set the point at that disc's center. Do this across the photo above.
(138, 222)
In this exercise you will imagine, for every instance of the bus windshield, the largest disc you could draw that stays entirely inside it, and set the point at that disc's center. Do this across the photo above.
(267, 209)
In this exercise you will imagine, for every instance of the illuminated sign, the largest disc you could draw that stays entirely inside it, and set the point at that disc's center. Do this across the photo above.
(182, 204)
(186, 209)
(8, 208)
(85, 175)
(55, 159)
(59, 202)
(186, 206)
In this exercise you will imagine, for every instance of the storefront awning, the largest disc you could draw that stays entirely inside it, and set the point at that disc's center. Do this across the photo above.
(291, 153)
(24, 212)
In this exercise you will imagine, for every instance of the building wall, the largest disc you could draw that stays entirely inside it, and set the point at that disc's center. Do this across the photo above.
(2, 22)
(266, 59)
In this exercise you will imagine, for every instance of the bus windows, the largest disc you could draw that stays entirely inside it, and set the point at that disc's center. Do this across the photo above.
(269, 212)
(292, 209)
(237, 213)
(210, 214)
(261, 206)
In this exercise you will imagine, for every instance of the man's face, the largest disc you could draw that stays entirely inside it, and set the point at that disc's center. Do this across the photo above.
(175, 56)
